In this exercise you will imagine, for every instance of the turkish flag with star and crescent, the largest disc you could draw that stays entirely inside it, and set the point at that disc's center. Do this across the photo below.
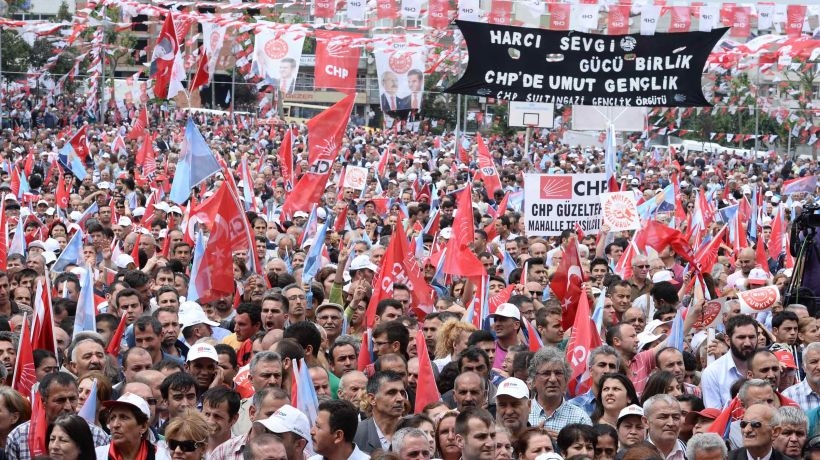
(566, 283)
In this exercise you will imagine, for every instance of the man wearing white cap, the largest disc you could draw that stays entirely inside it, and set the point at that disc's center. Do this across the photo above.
(631, 427)
(512, 406)
(506, 324)
(194, 323)
(203, 364)
(292, 425)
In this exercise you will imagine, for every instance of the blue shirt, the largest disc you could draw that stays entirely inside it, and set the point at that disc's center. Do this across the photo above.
(585, 401)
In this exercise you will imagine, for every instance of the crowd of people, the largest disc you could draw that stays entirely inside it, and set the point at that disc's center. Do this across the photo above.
(218, 380)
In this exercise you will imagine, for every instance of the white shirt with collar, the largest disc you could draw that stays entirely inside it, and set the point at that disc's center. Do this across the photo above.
(717, 379)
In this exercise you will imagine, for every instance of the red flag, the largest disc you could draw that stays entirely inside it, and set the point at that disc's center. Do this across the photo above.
(566, 283)
(324, 9)
(487, 171)
(113, 347)
(80, 142)
(135, 251)
(741, 22)
(681, 19)
(707, 254)
(336, 60)
(761, 256)
(162, 59)
(139, 126)
(618, 20)
(42, 336)
(387, 9)
(776, 238)
(325, 131)
(426, 389)
(460, 259)
(534, 339)
(559, 15)
(146, 158)
(658, 236)
(502, 209)
(438, 16)
(29, 164)
(24, 374)
(37, 427)
(583, 340)
(364, 351)
(795, 16)
(202, 76)
(286, 159)
(501, 12)
(294, 384)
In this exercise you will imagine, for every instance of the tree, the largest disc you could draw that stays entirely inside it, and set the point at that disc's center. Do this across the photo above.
(63, 13)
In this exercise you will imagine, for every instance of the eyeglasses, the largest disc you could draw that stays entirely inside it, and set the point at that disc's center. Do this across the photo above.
(548, 373)
(186, 446)
(754, 423)
(538, 293)
(644, 267)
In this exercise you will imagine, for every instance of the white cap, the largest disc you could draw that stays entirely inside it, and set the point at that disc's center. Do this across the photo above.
(193, 315)
(104, 185)
(49, 256)
(758, 276)
(300, 214)
(131, 400)
(663, 275)
(176, 209)
(37, 244)
(513, 387)
(362, 261)
(288, 419)
(75, 215)
(508, 310)
(51, 244)
(162, 206)
(632, 409)
(138, 211)
(202, 350)
(654, 324)
(123, 260)
(549, 456)
(446, 233)
(321, 214)
(124, 221)
(647, 336)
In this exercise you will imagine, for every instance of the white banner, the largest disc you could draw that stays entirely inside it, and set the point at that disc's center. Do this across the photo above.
(400, 64)
(584, 17)
(765, 16)
(410, 9)
(707, 17)
(757, 300)
(276, 58)
(213, 36)
(649, 19)
(355, 177)
(468, 10)
(620, 211)
(356, 10)
(556, 202)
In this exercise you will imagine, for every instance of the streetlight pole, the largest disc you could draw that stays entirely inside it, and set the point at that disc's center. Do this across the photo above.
(4, 8)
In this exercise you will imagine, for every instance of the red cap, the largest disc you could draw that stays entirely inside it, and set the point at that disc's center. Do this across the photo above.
(785, 357)
(709, 412)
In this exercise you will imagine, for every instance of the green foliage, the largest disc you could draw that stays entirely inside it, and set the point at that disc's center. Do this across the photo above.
(16, 55)
(63, 14)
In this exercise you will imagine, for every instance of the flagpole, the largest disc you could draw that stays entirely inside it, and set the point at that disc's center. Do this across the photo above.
(102, 73)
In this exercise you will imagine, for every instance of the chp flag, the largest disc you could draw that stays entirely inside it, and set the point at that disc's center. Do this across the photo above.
(400, 64)
(337, 59)
(276, 57)
(557, 202)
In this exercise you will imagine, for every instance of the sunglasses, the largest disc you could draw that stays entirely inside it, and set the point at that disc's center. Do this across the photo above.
(186, 446)
(754, 423)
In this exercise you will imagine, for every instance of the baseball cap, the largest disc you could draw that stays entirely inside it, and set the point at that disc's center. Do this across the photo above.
(129, 400)
(300, 214)
(758, 276)
(513, 387)
(786, 358)
(632, 409)
(362, 261)
(288, 419)
(162, 206)
(646, 337)
(709, 412)
(37, 244)
(193, 315)
(138, 211)
(508, 310)
(202, 350)
(123, 260)
(664, 275)
(124, 221)
(654, 324)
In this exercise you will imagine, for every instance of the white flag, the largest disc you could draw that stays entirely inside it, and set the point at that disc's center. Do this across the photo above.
(649, 19)
(356, 10)
(707, 18)
(584, 17)
(410, 9)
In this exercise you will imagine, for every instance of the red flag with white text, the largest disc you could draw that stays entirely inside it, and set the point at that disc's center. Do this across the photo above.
(583, 340)
(336, 60)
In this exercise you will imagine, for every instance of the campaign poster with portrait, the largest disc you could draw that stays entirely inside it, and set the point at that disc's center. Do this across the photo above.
(400, 62)
(276, 57)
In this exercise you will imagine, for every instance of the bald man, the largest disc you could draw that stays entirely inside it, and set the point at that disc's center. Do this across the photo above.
(745, 264)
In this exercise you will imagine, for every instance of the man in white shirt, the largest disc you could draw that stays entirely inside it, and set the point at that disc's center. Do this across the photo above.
(718, 377)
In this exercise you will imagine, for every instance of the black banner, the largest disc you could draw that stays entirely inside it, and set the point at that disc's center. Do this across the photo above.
(567, 67)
